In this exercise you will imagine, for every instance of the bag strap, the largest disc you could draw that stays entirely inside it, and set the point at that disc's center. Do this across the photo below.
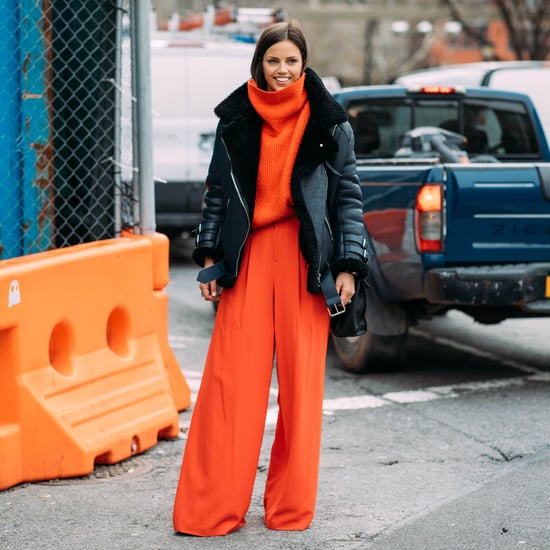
(335, 305)
(211, 273)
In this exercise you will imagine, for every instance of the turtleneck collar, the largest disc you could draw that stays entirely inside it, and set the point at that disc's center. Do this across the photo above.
(279, 104)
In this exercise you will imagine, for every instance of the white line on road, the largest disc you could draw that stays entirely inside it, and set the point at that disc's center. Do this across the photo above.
(330, 406)
(349, 403)
(182, 342)
(358, 402)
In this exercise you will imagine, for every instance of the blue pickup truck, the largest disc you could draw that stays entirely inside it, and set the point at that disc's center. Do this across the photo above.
(456, 197)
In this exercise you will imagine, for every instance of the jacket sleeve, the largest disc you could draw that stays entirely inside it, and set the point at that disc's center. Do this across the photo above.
(207, 233)
(346, 207)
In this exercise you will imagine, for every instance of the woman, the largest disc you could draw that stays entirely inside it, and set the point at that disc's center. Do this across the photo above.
(282, 203)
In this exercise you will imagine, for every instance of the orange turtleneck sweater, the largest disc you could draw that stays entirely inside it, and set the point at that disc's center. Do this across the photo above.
(285, 114)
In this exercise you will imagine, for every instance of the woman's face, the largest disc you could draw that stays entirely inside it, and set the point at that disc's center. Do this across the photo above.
(282, 65)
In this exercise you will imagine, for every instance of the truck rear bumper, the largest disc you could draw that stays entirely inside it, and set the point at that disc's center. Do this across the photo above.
(525, 286)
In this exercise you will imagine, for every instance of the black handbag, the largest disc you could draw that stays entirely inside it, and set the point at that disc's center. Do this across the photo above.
(346, 320)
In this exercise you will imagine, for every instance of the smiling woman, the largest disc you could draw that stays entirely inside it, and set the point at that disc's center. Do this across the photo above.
(282, 205)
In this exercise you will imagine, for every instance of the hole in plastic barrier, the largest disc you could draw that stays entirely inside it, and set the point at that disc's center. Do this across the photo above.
(60, 349)
(118, 330)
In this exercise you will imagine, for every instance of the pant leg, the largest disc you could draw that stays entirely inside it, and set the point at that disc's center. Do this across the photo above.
(301, 336)
(225, 436)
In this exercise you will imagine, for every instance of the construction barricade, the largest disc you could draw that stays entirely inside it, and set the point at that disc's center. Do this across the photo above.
(86, 372)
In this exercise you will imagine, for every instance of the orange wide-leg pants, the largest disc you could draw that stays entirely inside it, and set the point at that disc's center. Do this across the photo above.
(269, 313)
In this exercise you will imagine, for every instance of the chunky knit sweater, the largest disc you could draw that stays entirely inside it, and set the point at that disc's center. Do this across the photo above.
(285, 114)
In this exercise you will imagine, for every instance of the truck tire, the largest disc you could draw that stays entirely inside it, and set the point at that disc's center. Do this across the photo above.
(370, 352)
(383, 346)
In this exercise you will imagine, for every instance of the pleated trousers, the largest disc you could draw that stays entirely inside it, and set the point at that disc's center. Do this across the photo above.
(267, 318)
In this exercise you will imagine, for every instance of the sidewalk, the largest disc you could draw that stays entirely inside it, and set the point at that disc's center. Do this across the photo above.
(129, 506)
(510, 512)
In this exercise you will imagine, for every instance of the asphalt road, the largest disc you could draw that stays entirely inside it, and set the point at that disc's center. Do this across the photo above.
(451, 452)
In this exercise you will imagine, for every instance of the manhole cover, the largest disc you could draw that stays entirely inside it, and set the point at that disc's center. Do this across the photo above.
(131, 467)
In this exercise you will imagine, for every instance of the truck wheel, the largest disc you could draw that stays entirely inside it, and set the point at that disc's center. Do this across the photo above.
(383, 346)
(370, 352)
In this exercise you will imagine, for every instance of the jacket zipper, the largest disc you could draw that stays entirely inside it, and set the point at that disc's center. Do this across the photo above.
(241, 200)
(329, 229)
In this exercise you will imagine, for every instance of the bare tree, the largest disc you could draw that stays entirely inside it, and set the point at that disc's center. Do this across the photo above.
(527, 23)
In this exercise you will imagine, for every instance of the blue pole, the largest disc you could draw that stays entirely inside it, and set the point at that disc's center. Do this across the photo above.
(10, 168)
(37, 161)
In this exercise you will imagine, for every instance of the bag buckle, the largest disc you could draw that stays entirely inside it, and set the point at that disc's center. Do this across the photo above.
(336, 309)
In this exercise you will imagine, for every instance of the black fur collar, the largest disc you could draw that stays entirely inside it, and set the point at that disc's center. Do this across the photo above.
(241, 132)
(325, 110)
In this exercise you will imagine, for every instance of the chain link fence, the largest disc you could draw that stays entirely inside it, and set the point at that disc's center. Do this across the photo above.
(67, 124)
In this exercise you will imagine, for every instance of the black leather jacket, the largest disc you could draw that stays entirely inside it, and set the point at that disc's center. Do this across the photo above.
(324, 187)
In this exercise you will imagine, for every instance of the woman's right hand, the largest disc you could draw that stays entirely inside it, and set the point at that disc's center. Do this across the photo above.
(210, 291)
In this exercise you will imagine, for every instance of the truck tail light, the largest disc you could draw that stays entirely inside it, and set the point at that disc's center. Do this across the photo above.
(429, 219)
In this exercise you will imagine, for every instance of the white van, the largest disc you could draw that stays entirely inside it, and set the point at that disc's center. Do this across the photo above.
(190, 76)
(529, 77)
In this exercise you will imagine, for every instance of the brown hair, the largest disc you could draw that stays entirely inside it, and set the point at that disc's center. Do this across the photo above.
(277, 32)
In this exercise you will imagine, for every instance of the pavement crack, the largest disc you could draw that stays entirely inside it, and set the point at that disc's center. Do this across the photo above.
(505, 457)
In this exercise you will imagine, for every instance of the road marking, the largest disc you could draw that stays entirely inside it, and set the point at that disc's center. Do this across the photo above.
(368, 401)
(415, 396)
(431, 393)
(330, 406)
(181, 342)
(193, 379)
(349, 403)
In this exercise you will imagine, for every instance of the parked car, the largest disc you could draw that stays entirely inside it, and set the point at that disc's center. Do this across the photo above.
(528, 77)
(190, 75)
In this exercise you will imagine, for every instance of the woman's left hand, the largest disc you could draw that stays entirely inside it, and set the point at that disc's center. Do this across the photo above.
(210, 291)
(345, 286)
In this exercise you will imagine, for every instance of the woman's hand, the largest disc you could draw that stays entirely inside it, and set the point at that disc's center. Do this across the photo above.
(345, 286)
(210, 291)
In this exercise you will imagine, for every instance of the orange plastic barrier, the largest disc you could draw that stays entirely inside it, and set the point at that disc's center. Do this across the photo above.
(86, 372)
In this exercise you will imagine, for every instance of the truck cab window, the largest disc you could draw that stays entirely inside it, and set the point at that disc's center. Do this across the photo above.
(379, 126)
(508, 128)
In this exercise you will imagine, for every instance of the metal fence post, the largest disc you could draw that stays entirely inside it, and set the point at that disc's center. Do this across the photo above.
(142, 119)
